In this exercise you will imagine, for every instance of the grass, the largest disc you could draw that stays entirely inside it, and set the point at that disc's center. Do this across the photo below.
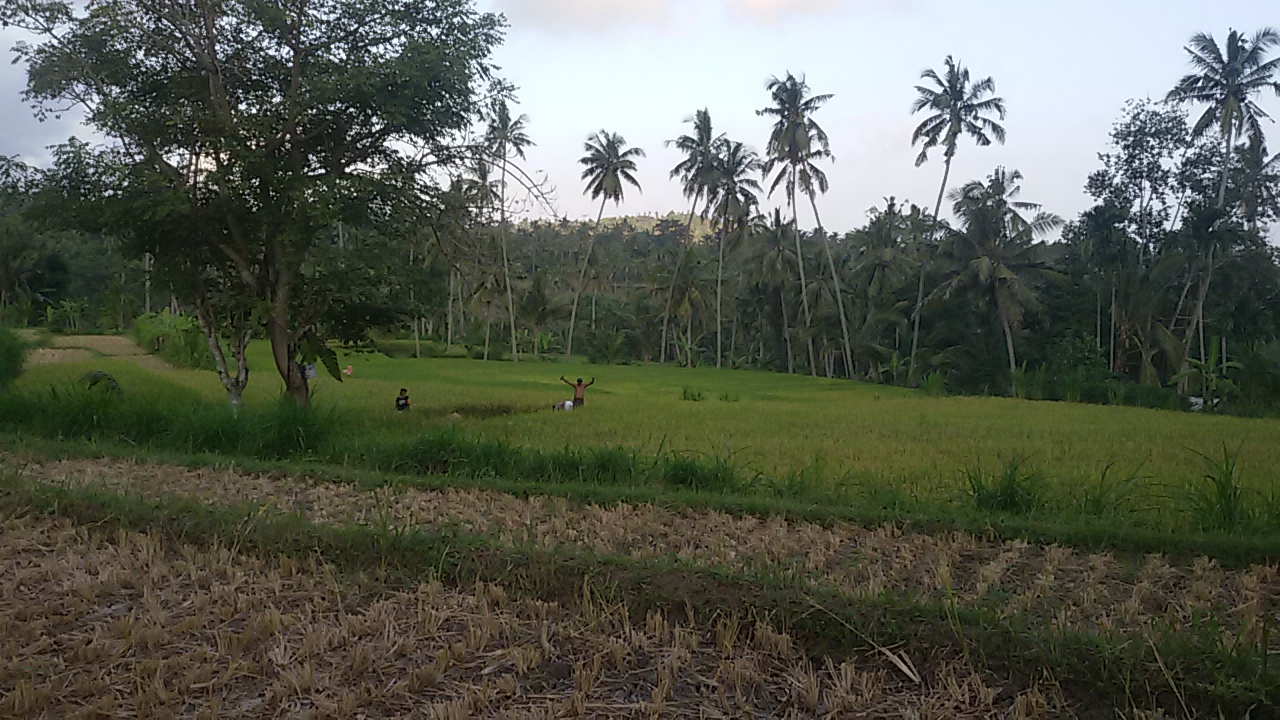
(945, 469)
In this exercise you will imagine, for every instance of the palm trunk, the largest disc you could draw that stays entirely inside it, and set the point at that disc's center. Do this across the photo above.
(688, 339)
(924, 262)
(1112, 339)
(835, 281)
(786, 330)
(719, 281)
(804, 284)
(1008, 343)
(671, 290)
(506, 262)
(582, 281)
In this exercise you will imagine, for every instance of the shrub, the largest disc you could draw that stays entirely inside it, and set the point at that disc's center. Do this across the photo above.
(1012, 489)
(176, 338)
(934, 384)
(693, 394)
(13, 352)
(1217, 499)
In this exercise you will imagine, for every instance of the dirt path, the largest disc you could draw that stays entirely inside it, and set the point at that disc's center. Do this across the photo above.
(73, 348)
(96, 624)
(1067, 590)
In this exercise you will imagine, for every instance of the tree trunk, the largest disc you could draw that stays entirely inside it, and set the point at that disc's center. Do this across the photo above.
(671, 290)
(506, 262)
(688, 339)
(1226, 167)
(786, 329)
(487, 323)
(582, 280)
(924, 263)
(233, 384)
(1112, 339)
(804, 284)
(719, 282)
(1008, 343)
(835, 281)
(285, 353)
(146, 283)
(417, 335)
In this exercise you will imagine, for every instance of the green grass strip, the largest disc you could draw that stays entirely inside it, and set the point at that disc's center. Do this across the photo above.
(1231, 550)
(1090, 668)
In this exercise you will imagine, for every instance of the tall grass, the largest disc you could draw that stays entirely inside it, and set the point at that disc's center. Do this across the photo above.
(101, 411)
(13, 353)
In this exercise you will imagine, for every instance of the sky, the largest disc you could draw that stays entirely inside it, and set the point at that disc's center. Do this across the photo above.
(641, 67)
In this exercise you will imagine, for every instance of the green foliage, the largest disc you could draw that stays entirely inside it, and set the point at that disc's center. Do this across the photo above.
(693, 394)
(1013, 488)
(176, 338)
(97, 408)
(1114, 493)
(1217, 499)
(729, 397)
(934, 384)
(13, 353)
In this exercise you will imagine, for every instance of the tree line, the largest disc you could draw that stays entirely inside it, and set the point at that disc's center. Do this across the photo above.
(361, 177)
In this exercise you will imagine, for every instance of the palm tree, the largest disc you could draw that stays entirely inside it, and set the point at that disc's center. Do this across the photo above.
(506, 138)
(770, 266)
(794, 144)
(609, 167)
(1259, 178)
(696, 173)
(994, 246)
(959, 107)
(734, 194)
(1226, 83)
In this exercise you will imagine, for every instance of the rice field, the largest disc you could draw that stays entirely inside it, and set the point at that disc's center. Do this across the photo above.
(829, 431)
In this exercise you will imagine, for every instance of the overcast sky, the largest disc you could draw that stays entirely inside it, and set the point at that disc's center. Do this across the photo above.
(639, 67)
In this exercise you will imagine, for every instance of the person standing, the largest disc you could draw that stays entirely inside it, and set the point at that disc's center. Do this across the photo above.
(402, 400)
(579, 390)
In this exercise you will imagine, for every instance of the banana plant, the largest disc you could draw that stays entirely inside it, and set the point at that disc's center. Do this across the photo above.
(1211, 374)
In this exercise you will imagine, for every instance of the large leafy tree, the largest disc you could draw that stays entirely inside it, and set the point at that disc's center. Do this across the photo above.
(958, 106)
(734, 193)
(609, 167)
(1226, 83)
(251, 127)
(697, 174)
(796, 143)
(506, 140)
(994, 247)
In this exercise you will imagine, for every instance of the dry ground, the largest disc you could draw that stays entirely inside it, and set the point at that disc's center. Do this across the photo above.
(1089, 592)
(97, 624)
(74, 348)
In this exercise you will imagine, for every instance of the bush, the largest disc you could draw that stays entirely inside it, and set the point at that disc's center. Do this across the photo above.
(176, 338)
(13, 352)
(1012, 489)
(693, 394)
(934, 384)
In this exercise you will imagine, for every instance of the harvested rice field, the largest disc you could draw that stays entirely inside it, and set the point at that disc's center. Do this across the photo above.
(1069, 590)
(121, 624)
(106, 622)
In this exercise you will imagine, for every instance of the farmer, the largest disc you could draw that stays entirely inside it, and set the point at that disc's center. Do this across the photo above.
(579, 390)
(402, 401)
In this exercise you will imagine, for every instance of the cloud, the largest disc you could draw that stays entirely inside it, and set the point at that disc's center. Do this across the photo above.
(561, 15)
(594, 15)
